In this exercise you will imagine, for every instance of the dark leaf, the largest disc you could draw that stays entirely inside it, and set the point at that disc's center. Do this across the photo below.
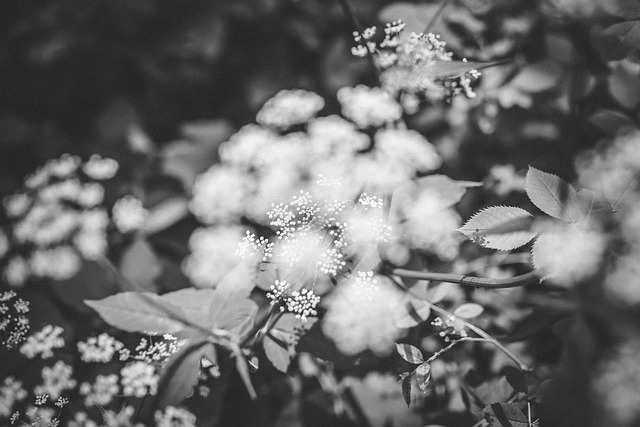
(507, 414)
(406, 390)
(540, 319)
(625, 9)
(516, 378)
(610, 122)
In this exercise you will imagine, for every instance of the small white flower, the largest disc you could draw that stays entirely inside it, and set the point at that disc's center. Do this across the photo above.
(174, 417)
(58, 263)
(17, 271)
(55, 380)
(99, 349)
(368, 107)
(290, 107)
(101, 392)
(139, 379)
(43, 342)
(128, 214)
(11, 391)
(100, 168)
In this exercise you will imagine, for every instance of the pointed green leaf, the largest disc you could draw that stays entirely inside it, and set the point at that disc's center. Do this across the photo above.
(410, 353)
(406, 390)
(423, 375)
(548, 192)
(500, 227)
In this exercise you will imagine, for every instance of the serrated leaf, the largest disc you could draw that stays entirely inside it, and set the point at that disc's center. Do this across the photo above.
(406, 390)
(548, 192)
(410, 353)
(499, 227)
(423, 375)
(468, 310)
(165, 214)
(507, 414)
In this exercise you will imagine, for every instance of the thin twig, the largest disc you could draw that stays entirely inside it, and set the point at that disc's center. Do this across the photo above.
(463, 279)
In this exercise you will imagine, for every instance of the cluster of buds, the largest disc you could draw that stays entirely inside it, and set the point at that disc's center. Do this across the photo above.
(451, 328)
(302, 302)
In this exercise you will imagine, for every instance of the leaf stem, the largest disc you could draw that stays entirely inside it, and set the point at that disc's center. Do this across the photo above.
(463, 279)
(439, 353)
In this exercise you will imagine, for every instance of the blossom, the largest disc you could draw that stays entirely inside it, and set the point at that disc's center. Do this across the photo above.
(11, 391)
(367, 106)
(43, 342)
(128, 214)
(100, 168)
(408, 150)
(14, 325)
(139, 379)
(220, 194)
(288, 108)
(59, 263)
(175, 417)
(16, 271)
(213, 254)
(360, 315)
(56, 379)
(99, 349)
(157, 352)
(301, 302)
(101, 392)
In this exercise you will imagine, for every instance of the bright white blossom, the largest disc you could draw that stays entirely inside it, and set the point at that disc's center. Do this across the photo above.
(360, 315)
(43, 342)
(99, 349)
(101, 392)
(56, 379)
(368, 107)
(220, 194)
(288, 108)
(11, 391)
(139, 379)
(175, 417)
(100, 168)
(128, 214)
(58, 263)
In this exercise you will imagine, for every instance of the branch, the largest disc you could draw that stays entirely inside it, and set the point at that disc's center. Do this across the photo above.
(463, 279)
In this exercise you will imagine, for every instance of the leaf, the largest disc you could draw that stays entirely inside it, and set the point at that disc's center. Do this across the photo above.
(499, 227)
(540, 319)
(548, 192)
(414, 315)
(277, 354)
(624, 83)
(231, 309)
(410, 353)
(180, 375)
(442, 70)
(447, 191)
(279, 344)
(423, 375)
(538, 77)
(266, 275)
(621, 193)
(609, 121)
(165, 214)
(626, 33)
(516, 379)
(507, 414)
(468, 310)
(625, 9)
(406, 390)
(243, 370)
(140, 265)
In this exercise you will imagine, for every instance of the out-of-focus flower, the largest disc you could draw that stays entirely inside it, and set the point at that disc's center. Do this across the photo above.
(128, 214)
(409, 151)
(213, 254)
(288, 108)
(567, 254)
(99, 349)
(43, 342)
(622, 285)
(100, 168)
(360, 315)
(101, 392)
(368, 106)
(59, 263)
(139, 379)
(55, 380)
(175, 417)
(617, 385)
(11, 391)
(220, 195)
(503, 179)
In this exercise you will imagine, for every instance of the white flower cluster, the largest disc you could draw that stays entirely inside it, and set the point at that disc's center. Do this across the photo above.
(43, 342)
(99, 349)
(361, 313)
(58, 219)
(101, 392)
(11, 391)
(56, 379)
(175, 417)
(301, 302)
(369, 106)
(14, 325)
(290, 107)
(410, 66)
(139, 379)
(154, 353)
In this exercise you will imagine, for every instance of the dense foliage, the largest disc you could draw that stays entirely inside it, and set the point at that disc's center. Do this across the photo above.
(319, 213)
